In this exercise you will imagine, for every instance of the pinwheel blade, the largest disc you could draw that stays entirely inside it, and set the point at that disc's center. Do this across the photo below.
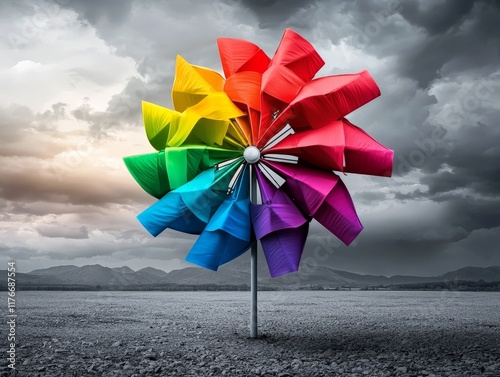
(238, 55)
(283, 249)
(341, 146)
(322, 100)
(159, 173)
(322, 196)
(228, 234)
(150, 172)
(243, 88)
(190, 207)
(364, 154)
(185, 163)
(281, 228)
(192, 84)
(294, 63)
(243, 63)
(205, 123)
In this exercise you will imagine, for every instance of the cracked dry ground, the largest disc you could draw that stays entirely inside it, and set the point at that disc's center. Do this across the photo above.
(304, 333)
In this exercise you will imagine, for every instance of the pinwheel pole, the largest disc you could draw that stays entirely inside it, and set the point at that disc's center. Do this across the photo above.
(252, 156)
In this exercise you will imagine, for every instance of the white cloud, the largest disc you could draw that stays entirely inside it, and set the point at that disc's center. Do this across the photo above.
(25, 66)
(66, 62)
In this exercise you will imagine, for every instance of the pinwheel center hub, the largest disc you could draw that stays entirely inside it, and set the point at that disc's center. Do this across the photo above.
(251, 154)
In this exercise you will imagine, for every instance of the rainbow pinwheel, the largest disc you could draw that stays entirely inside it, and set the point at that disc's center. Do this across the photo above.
(225, 131)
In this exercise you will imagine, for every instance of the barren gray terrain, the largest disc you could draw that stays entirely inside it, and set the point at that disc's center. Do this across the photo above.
(303, 333)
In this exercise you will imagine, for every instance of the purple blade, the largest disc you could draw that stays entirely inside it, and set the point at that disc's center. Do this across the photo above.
(267, 189)
(283, 249)
(278, 211)
(280, 226)
(268, 218)
(269, 192)
(323, 196)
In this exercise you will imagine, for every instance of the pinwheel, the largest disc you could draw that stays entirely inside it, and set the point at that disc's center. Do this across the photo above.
(268, 125)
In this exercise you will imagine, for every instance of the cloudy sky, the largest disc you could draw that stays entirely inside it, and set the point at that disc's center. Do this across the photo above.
(74, 72)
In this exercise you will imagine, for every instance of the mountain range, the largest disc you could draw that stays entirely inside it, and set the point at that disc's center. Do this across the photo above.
(235, 274)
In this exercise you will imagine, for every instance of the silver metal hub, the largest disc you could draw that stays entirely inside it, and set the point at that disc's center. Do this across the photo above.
(251, 155)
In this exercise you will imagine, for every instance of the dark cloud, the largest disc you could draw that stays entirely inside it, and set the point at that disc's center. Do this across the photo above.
(423, 258)
(384, 255)
(460, 36)
(427, 244)
(57, 231)
(472, 164)
(369, 196)
(436, 18)
(435, 39)
(474, 160)
(127, 106)
(17, 253)
(473, 214)
(42, 208)
(124, 109)
(480, 248)
(414, 195)
(404, 127)
(274, 13)
(96, 11)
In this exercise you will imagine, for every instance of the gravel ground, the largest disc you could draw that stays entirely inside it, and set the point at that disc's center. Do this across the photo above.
(303, 333)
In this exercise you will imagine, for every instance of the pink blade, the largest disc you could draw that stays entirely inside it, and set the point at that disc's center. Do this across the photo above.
(307, 187)
(269, 192)
(364, 154)
(338, 215)
(327, 148)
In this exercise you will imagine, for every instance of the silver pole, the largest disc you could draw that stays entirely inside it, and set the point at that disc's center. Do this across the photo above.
(253, 264)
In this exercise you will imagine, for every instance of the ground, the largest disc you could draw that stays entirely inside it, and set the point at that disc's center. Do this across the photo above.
(303, 333)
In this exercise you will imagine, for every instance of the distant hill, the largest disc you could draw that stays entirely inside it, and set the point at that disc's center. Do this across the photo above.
(152, 274)
(474, 274)
(53, 271)
(232, 274)
(123, 270)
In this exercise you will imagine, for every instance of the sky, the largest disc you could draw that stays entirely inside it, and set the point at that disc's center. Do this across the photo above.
(74, 73)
